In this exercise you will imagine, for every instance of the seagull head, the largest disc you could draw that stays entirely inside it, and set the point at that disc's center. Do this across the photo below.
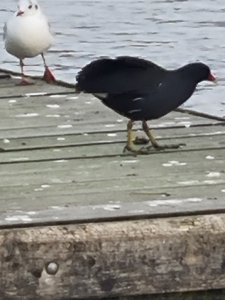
(27, 8)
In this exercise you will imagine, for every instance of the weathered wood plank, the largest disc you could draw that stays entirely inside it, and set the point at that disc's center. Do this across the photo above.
(81, 105)
(40, 161)
(66, 113)
(206, 295)
(37, 203)
(114, 170)
(107, 137)
(61, 163)
(113, 259)
(113, 181)
(107, 149)
(10, 88)
(97, 209)
(80, 127)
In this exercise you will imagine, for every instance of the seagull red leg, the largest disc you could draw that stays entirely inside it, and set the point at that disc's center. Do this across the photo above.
(48, 76)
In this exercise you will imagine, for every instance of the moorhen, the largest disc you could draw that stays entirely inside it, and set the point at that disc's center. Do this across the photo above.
(140, 89)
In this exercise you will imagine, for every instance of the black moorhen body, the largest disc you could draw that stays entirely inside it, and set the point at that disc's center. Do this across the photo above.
(140, 90)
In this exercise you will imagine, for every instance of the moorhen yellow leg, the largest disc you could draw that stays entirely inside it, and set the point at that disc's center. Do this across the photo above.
(153, 141)
(130, 141)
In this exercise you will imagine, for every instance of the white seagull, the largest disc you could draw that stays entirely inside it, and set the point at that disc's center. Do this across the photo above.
(27, 34)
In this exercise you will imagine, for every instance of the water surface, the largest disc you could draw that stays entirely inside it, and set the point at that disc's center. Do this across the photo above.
(168, 32)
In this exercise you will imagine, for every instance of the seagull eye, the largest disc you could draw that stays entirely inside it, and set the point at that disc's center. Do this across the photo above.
(30, 6)
(36, 6)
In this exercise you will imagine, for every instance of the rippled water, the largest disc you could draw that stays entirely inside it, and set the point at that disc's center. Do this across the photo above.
(168, 32)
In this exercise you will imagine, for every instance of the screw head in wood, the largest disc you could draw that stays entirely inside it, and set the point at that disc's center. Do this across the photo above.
(52, 268)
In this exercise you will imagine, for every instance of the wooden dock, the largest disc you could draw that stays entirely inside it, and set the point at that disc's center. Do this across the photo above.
(80, 219)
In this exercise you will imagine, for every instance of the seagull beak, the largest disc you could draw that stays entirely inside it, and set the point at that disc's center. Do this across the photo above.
(20, 13)
(212, 78)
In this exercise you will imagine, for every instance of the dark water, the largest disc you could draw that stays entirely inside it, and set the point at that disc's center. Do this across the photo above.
(169, 32)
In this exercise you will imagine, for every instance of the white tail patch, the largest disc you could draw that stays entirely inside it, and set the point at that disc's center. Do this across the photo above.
(137, 99)
(134, 111)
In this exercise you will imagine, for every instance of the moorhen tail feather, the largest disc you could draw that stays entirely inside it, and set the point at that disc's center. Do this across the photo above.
(120, 75)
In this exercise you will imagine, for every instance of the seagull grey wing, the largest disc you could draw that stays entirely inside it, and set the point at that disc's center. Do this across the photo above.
(49, 26)
(4, 31)
(45, 20)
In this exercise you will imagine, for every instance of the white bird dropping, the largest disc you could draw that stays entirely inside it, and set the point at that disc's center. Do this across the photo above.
(27, 34)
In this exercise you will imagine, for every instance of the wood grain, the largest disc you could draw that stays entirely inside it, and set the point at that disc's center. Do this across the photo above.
(113, 259)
